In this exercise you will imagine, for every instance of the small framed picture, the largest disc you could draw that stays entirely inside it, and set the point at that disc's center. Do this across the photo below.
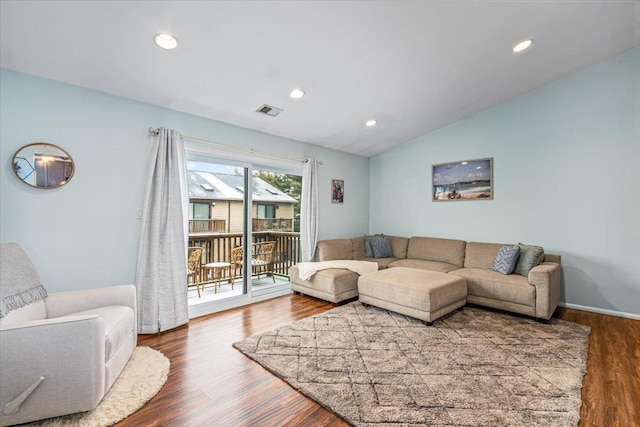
(337, 191)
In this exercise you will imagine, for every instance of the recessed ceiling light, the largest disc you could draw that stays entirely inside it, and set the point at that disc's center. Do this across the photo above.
(165, 41)
(522, 46)
(370, 123)
(297, 93)
(464, 163)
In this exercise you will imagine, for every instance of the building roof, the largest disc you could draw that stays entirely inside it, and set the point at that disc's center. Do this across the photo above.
(221, 186)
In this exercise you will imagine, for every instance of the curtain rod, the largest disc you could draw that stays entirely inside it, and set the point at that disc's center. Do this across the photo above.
(155, 131)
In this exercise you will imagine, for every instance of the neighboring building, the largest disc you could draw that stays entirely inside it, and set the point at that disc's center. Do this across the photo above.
(216, 200)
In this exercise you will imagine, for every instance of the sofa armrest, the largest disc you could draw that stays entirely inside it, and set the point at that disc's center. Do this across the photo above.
(64, 303)
(69, 353)
(547, 278)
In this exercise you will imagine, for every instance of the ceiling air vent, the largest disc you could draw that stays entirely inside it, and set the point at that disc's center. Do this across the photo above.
(269, 110)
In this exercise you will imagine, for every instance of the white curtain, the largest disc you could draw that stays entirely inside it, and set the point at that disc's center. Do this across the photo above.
(309, 209)
(162, 251)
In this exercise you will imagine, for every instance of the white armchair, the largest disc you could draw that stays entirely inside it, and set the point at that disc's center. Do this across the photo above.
(60, 354)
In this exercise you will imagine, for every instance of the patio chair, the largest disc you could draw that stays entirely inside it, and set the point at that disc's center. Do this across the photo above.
(194, 268)
(261, 259)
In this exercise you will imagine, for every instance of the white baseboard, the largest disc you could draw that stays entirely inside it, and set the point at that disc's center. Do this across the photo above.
(600, 310)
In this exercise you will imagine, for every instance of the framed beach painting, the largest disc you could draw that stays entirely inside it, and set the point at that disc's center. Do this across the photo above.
(463, 180)
(337, 191)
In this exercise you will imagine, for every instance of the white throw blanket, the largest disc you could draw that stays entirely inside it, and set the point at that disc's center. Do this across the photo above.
(20, 284)
(308, 269)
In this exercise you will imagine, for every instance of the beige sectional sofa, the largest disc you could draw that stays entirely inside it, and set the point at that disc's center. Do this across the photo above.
(536, 295)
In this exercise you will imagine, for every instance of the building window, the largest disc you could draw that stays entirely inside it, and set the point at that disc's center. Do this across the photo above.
(198, 210)
(266, 211)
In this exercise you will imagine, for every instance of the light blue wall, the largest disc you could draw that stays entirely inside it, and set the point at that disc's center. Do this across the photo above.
(85, 234)
(566, 173)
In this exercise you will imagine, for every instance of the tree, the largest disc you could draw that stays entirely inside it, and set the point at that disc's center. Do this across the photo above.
(288, 184)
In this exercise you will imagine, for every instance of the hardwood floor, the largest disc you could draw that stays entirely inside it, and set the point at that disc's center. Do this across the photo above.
(212, 384)
(611, 386)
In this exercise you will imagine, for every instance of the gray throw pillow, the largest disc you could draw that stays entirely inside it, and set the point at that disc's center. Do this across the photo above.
(506, 259)
(368, 251)
(530, 256)
(381, 247)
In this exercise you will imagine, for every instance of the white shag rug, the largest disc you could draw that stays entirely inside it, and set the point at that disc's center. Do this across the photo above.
(142, 378)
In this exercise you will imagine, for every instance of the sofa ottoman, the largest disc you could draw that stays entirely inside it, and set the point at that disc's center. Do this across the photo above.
(334, 285)
(425, 295)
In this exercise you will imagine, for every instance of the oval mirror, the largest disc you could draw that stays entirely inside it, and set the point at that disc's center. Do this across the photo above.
(43, 165)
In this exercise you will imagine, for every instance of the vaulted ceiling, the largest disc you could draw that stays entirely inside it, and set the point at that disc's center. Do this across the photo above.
(413, 66)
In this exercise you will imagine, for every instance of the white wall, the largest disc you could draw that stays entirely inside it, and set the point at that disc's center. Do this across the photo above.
(85, 234)
(566, 173)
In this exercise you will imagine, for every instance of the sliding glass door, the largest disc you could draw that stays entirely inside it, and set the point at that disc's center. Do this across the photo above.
(243, 233)
(218, 230)
(275, 228)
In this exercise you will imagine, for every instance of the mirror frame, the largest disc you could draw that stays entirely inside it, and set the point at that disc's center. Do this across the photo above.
(66, 154)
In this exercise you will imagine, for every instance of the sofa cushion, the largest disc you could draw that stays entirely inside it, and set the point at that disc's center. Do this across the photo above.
(552, 258)
(382, 262)
(399, 246)
(422, 264)
(530, 256)
(434, 249)
(381, 247)
(357, 247)
(481, 255)
(506, 259)
(118, 325)
(328, 250)
(486, 283)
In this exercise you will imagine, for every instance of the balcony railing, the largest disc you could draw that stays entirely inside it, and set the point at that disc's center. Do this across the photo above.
(220, 225)
(280, 224)
(217, 247)
(207, 225)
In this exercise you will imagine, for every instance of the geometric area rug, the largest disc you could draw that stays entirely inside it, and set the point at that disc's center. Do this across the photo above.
(141, 379)
(474, 367)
